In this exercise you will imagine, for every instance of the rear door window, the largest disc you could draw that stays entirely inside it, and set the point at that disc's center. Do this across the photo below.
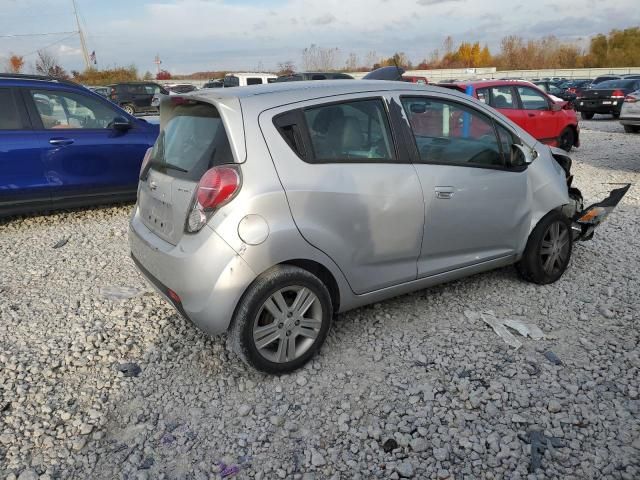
(192, 140)
(503, 97)
(254, 81)
(350, 132)
(10, 118)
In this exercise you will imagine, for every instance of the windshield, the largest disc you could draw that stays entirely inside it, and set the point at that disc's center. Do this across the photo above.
(617, 84)
(192, 140)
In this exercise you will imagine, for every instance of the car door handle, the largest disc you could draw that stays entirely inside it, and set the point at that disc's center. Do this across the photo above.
(61, 141)
(532, 114)
(444, 193)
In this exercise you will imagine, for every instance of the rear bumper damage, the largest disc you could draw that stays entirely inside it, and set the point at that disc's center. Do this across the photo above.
(584, 222)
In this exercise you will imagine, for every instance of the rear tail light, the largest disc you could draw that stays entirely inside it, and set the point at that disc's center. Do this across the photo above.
(617, 94)
(146, 164)
(217, 187)
(630, 99)
(571, 90)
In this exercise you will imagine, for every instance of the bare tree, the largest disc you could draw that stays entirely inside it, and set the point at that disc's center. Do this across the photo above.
(319, 58)
(47, 64)
(371, 59)
(352, 62)
(286, 68)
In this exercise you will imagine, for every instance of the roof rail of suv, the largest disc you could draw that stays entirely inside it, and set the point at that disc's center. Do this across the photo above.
(23, 76)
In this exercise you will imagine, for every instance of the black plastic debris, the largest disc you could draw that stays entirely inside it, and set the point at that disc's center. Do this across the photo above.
(390, 445)
(532, 368)
(130, 369)
(61, 243)
(552, 357)
(539, 443)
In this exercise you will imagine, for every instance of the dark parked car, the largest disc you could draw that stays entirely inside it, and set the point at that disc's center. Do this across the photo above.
(135, 97)
(62, 145)
(217, 83)
(299, 76)
(104, 91)
(605, 97)
(556, 90)
(577, 86)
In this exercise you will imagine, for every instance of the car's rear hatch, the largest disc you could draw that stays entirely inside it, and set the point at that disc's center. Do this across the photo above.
(193, 138)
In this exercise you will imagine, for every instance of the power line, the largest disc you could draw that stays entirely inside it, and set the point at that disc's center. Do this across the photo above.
(51, 44)
(35, 34)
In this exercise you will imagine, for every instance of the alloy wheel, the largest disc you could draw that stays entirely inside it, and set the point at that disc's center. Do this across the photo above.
(554, 251)
(287, 324)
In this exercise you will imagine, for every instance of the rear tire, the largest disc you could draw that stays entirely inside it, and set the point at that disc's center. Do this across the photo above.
(616, 114)
(587, 115)
(130, 109)
(567, 139)
(282, 320)
(548, 251)
(631, 128)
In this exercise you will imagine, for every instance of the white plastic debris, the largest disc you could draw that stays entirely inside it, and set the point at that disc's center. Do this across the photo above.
(119, 293)
(500, 327)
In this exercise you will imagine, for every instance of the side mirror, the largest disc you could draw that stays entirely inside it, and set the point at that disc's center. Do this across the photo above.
(556, 107)
(121, 124)
(521, 155)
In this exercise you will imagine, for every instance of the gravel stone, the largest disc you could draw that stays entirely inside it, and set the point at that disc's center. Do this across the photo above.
(405, 470)
(417, 380)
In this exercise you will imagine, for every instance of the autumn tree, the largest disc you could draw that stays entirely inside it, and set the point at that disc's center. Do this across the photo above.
(163, 75)
(147, 76)
(93, 76)
(15, 63)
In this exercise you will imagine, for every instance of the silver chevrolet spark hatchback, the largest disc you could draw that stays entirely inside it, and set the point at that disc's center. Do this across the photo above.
(266, 210)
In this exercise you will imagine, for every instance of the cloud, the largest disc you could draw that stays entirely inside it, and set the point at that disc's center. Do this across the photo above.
(192, 35)
(325, 19)
(66, 50)
(436, 2)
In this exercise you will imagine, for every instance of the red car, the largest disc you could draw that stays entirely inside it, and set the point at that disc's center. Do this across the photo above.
(553, 122)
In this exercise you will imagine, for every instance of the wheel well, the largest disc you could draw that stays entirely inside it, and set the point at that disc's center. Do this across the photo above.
(323, 274)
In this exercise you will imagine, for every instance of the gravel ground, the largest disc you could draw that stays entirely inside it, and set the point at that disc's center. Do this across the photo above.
(415, 387)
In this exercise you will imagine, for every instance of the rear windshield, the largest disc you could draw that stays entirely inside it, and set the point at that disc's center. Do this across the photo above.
(617, 84)
(192, 140)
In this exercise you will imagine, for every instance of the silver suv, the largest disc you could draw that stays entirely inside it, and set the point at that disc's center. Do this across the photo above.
(266, 210)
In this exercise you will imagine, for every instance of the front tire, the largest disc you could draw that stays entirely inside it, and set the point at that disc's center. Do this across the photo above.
(548, 250)
(567, 139)
(127, 107)
(282, 320)
(587, 115)
(631, 128)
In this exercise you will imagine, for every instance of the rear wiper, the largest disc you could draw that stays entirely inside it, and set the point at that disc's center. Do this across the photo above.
(168, 166)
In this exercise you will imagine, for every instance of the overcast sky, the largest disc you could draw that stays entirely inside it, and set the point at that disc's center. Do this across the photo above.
(191, 35)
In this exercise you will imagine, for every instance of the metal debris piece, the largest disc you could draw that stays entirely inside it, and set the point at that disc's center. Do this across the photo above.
(130, 369)
(539, 443)
(500, 327)
(61, 243)
(552, 357)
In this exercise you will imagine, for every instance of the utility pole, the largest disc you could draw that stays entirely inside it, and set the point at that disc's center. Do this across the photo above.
(83, 44)
(158, 62)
